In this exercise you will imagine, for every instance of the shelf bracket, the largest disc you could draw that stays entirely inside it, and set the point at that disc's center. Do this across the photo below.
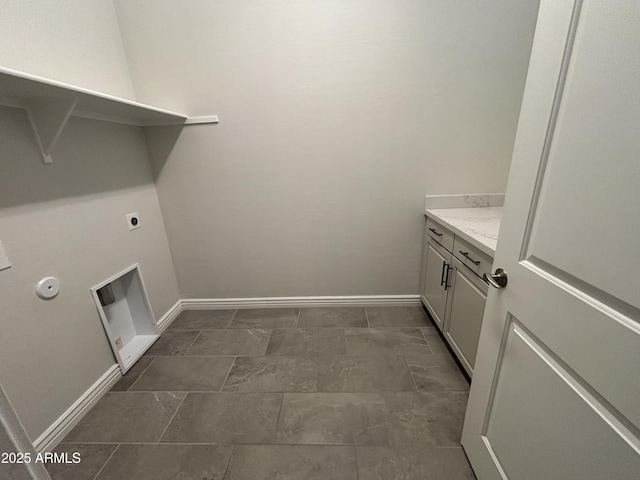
(48, 119)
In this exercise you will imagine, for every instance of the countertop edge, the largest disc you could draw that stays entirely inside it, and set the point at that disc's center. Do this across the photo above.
(465, 236)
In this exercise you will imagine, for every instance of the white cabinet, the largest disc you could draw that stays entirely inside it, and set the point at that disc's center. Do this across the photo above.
(453, 291)
(436, 270)
(465, 307)
(440, 234)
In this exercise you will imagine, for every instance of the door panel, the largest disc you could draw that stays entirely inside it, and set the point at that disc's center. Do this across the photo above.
(555, 392)
(593, 156)
(560, 416)
(600, 344)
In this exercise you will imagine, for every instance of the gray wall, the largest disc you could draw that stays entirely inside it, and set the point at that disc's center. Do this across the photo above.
(72, 41)
(68, 220)
(336, 119)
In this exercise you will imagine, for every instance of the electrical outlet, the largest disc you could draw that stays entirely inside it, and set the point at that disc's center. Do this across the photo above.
(133, 220)
(4, 260)
(119, 343)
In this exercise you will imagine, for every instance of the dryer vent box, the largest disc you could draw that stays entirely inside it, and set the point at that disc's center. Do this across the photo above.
(126, 315)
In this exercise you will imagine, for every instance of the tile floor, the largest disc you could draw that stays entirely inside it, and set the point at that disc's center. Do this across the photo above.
(286, 394)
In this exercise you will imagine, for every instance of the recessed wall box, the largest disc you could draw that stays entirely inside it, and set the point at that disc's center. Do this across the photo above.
(125, 311)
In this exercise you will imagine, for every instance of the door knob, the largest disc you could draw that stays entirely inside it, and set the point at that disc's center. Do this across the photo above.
(496, 280)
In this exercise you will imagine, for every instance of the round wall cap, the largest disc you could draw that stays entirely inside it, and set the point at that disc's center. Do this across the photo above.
(48, 288)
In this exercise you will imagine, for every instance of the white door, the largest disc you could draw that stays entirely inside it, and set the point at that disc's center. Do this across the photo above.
(17, 456)
(556, 388)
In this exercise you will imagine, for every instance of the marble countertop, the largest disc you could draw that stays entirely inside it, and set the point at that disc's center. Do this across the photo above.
(477, 225)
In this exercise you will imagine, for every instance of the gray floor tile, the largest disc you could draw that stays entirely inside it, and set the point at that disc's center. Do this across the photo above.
(273, 374)
(430, 332)
(225, 418)
(438, 347)
(364, 373)
(397, 317)
(174, 342)
(433, 373)
(133, 374)
(202, 320)
(266, 318)
(432, 418)
(92, 459)
(314, 433)
(389, 341)
(127, 417)
(332, 317)
(413, 463)
(167, 462)
(185, 373)
(333, 419)
(300, 342)
(238, 342)
(292, 462)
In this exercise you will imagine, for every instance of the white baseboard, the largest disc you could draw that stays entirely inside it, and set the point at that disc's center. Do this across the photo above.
(170, 316)
(272, 302)
(56, 432)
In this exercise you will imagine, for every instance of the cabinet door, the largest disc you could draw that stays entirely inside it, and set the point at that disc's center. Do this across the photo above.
(435, 294)
(464, 314)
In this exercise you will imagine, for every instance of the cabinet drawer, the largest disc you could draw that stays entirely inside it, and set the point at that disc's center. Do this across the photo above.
(440, 234)
(478, 262)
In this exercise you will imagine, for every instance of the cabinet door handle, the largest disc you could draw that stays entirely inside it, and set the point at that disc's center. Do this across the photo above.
(444, 265)
(466, 255)
(446, 279)
(434, 231)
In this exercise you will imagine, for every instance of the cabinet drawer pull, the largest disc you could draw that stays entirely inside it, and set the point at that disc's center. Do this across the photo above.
(444, 265)
(434, 231)
(466, 255)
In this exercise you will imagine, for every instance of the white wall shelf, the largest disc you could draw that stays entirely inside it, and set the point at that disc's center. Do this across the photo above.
(50, 104)
(127, 318)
